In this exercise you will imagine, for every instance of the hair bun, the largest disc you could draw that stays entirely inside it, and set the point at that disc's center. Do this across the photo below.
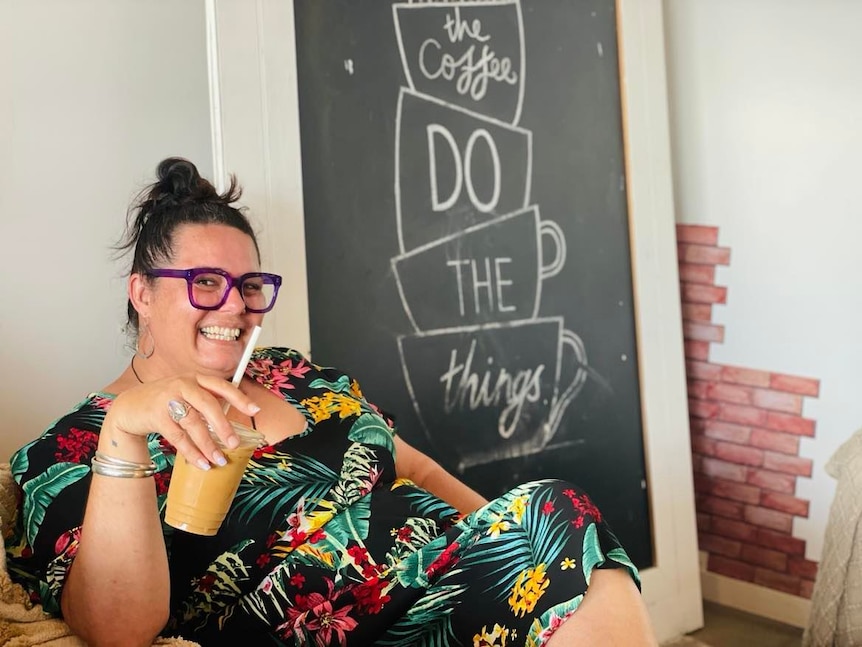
(179, 182)
(177, 176)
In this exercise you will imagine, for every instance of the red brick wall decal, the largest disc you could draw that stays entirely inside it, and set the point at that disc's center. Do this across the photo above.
(745, 429)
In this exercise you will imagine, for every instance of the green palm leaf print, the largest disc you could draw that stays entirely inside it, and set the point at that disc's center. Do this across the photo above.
(428, 622)
(41, 491)
(371, 430)
(341, 385)
(619, 555)
(538, 539)
(593, 555)
(351, 523)
(426, 504)
(301, 477)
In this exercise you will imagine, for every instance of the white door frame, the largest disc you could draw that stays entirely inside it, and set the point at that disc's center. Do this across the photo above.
(255, 124)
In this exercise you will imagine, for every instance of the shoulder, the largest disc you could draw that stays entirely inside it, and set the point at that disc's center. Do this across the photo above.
(275, 359)
(272, 352)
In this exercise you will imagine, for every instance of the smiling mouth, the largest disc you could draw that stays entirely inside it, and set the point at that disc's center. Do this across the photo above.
(221, 334)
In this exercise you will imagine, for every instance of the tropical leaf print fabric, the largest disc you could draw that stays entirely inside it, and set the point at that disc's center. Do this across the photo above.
(323, 544)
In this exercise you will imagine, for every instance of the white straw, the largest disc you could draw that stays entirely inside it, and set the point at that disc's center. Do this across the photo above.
(243, 362)
(246, 355)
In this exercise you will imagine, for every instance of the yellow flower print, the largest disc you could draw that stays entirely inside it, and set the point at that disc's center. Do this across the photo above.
(486, 639)
(355, 390)
(319, 406)
(568, 563)
(347, 406)
(528, 589)
(518, 507)
(324, 406)
(498, 526)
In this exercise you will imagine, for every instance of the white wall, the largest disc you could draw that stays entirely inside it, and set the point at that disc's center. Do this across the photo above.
(765, 103)
(93, 93)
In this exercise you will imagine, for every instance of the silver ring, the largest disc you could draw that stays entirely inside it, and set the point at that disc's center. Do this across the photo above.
(178, 409)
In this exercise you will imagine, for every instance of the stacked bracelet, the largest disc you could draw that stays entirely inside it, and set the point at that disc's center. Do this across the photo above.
(119, 468)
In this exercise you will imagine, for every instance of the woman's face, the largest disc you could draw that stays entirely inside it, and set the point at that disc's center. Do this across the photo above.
(191, 340)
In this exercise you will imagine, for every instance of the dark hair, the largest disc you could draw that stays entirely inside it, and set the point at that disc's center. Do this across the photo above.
(180, 196)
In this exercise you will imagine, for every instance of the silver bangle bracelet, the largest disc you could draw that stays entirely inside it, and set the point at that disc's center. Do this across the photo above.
(119, 468)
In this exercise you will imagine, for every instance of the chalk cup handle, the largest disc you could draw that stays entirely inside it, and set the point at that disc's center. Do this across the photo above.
(563, 400)
(552, 229)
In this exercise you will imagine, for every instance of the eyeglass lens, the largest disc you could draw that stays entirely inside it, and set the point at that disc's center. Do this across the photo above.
(208, 290)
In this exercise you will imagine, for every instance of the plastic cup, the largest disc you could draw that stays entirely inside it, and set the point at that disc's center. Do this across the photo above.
(198, 500)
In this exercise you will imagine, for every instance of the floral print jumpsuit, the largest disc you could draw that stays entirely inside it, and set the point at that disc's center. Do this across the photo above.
(323, 544)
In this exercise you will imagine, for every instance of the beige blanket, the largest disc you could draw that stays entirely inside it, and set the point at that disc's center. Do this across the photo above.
(836, 605)
(22, 623)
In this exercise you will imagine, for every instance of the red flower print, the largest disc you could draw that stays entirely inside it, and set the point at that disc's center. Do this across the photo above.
(297, 537)
(405, 533)
(299, 370)
(260, 451)
(77, 445)
(548, 508)
(305, 602)
(297, 580)
(163, 480)
(259, 367)
(577, 523)
(358, 553)
(363, 561)
(278, 377)
(445, 560)
(371, 570)
(101, 402)
(326, 621)
(316, 536)
(369, 595)
(315, 614)
(206, 583)
(166, 447)
(267, 374)
(263, 559)
(583, 504)
(67, 543)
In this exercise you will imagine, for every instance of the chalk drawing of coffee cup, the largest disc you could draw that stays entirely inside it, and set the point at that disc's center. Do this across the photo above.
(454, 169)
(469, 54)
(495, 391)
(491, 272)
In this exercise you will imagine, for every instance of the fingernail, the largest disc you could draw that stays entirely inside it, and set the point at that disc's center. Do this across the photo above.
(204, 464)
(233, 442)
(219, 458)
(254, 409)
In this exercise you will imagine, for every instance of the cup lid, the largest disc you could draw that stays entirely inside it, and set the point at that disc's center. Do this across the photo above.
(247, 436)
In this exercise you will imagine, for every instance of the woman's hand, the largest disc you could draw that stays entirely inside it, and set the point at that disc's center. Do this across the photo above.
(146, 409)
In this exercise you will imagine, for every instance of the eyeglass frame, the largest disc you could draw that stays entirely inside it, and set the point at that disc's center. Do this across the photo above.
(192, 273)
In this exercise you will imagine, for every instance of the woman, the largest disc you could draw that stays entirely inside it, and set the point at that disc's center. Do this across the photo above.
(340, 533)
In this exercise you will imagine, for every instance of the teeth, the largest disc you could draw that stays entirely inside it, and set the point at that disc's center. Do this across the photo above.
(220, 333)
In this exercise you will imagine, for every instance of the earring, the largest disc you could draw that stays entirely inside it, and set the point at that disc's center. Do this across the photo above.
(145, 355)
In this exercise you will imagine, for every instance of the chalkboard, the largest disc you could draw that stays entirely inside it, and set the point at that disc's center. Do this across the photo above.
(467, 236)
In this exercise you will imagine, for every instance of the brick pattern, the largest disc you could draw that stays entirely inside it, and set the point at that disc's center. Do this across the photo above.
(745, 429)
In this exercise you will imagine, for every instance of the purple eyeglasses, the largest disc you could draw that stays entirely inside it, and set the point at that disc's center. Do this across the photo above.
(209, 287)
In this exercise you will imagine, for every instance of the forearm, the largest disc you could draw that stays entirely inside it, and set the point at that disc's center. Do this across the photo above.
(421, 469)
(118, 588)
(442, 484)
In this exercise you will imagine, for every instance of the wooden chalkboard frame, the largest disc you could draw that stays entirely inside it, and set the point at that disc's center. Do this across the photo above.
(254, 113)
